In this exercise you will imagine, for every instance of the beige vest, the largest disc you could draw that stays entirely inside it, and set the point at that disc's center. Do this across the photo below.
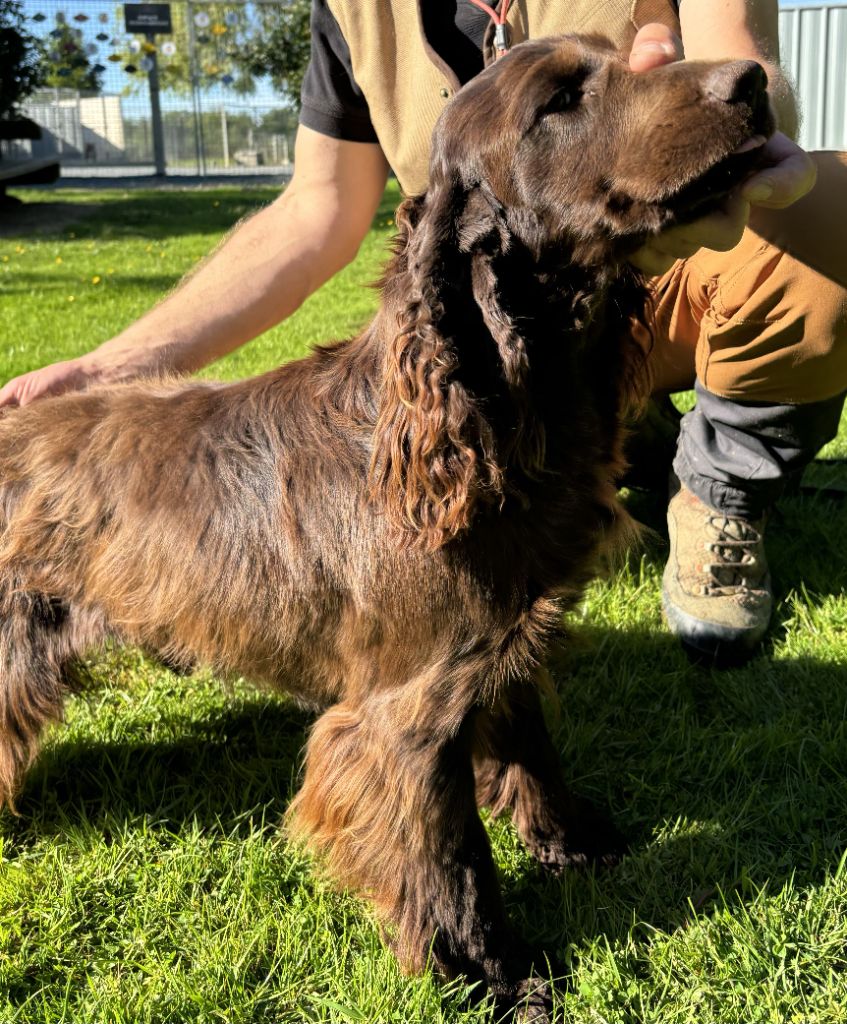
(407, 84)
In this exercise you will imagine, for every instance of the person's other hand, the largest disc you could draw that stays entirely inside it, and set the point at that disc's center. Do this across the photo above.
(69, 375)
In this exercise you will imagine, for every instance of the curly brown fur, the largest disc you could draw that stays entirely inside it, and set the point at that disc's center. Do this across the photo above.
(391, 528)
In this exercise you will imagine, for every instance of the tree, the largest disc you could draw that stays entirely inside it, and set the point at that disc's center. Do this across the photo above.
(65, 63)
(281, 46)
(19, 58)
(279, 122)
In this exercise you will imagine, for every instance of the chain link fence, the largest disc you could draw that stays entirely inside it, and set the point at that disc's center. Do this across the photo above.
(214, 117)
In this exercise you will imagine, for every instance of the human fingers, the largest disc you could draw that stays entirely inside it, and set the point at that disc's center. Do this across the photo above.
(653, 46)
(49, 380)
(793, 173)
(720, 230)
(652, 261)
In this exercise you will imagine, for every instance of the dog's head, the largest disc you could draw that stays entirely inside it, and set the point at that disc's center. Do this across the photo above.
(572, 145)
(548, 171)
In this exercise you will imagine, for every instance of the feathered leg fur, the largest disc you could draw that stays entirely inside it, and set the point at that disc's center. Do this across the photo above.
(40, 639)
(518, 769)
(392, 811)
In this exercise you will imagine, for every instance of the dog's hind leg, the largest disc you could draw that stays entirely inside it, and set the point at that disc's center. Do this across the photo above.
(39, 640)
(388, 801)
(517, 769)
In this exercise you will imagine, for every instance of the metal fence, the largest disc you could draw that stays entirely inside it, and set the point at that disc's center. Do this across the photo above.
(213, 118)
(813, 42)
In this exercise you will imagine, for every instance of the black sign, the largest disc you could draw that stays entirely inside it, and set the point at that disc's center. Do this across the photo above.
(148, 17)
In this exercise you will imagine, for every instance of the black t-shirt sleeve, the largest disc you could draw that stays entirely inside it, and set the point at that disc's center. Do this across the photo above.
(331, 101)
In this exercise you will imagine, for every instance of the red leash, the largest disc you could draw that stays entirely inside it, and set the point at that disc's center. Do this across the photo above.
(501, 29)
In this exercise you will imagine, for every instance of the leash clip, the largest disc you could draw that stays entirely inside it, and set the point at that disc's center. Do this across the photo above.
(501, 38)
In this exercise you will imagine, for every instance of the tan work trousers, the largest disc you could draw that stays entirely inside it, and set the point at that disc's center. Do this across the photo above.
(766, 321)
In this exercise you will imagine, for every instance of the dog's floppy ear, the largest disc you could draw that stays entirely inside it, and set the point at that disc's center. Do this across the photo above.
(486, 235)
(433, 449)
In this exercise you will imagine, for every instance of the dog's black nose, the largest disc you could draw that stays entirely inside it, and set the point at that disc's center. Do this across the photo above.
(742, 81)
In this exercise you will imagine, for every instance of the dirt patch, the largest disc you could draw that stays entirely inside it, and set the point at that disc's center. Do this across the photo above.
(42, 218)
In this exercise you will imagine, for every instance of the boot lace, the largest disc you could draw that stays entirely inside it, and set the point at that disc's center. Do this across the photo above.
(735, 546)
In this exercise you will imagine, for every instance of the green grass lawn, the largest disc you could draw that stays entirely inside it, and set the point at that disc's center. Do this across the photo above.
(147, 879)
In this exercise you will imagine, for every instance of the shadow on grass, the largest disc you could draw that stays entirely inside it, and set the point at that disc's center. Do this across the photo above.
(153, 214)
(724, 782)
(25, 284)
(230, 762)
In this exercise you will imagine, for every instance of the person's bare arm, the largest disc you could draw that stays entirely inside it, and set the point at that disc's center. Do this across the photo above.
(729, 30)
(258, 276)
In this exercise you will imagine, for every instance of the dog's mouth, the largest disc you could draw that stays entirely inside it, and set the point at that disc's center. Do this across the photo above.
(744, 152)
(707, 192)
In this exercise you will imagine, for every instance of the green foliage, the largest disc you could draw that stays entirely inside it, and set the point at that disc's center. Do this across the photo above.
(279, 122)
(65, 64)
(19, 59)
(281, 48)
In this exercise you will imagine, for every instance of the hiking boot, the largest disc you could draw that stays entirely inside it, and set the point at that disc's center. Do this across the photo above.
(716, 590)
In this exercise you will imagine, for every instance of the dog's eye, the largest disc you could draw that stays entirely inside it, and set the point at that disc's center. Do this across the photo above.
(562, 100)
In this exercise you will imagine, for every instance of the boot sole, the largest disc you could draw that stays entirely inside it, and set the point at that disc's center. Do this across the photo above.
(706, 643)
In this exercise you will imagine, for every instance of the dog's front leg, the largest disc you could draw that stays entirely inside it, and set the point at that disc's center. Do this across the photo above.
(518, 769)
(391, 808)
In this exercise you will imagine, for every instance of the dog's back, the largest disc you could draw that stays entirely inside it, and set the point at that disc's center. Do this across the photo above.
(184, 513)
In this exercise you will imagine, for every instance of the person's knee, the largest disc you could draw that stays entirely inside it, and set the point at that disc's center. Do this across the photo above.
(813, 229)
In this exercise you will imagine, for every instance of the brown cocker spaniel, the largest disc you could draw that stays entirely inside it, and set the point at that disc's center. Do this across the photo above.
(390, 529)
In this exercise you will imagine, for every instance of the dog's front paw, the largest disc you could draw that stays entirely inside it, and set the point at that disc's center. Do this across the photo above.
(577, 839)
(533, 1002)
(549, 848)
(592, 837)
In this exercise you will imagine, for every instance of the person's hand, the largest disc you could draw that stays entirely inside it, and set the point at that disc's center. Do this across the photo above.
(791, 175)
(721, 230)
(69, 375)
(653, 46)
(114, 361)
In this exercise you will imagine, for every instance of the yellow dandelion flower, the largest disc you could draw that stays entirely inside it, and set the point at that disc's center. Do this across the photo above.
(96, 279)
(5, 259)
(59, 259)
(72, 298)
(111, 270)
(19, 249)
